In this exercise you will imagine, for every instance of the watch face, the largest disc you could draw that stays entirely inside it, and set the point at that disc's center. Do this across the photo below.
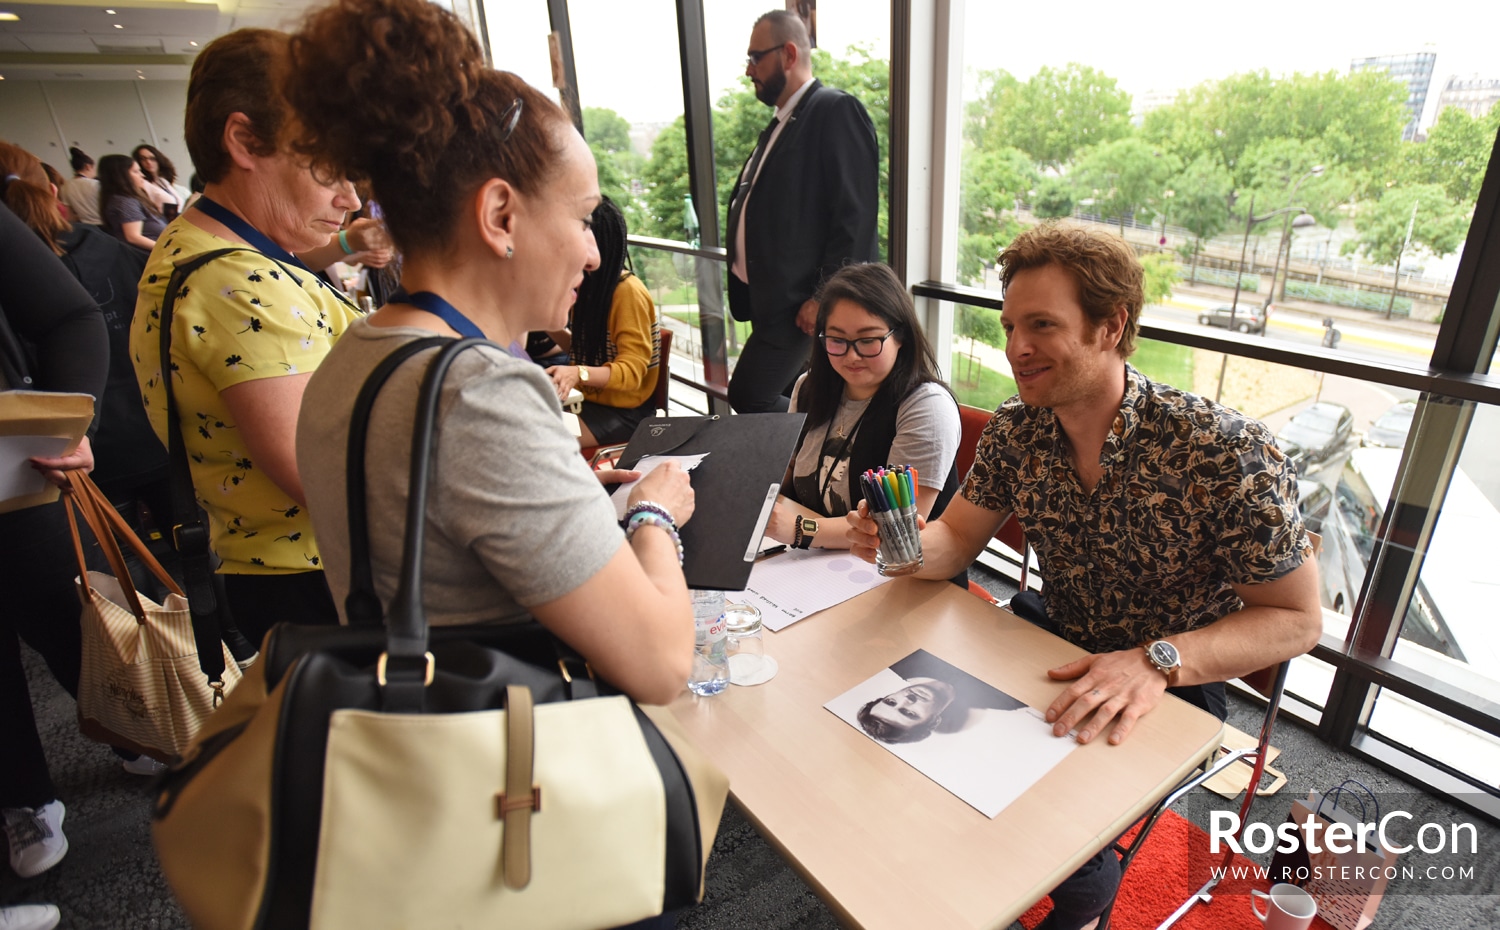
(1164, 654)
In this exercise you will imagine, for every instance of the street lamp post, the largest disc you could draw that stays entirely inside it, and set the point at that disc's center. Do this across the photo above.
(1251, 220)
(1285, 228)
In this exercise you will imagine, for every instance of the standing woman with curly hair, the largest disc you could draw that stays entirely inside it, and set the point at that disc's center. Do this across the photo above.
(161, 179)
(489, 193)
(613, 339)
(128, 210)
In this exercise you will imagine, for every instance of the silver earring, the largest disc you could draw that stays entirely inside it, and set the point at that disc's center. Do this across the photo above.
(509, 252)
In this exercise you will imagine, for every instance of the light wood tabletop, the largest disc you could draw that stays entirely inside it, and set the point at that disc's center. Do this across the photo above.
(882, 844)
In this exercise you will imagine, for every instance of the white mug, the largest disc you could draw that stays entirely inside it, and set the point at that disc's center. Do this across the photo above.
(1288, 907)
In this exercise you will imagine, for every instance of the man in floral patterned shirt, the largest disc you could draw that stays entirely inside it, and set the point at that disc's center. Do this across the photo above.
(1158, 517)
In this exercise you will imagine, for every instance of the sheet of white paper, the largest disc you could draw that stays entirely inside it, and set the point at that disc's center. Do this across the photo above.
(793, 584)
(988, 761)
(17, 477)
(646, 466)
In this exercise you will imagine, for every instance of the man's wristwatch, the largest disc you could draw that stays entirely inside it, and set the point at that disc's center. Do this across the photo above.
(1164, 656)
(583, 375)
(803, 532)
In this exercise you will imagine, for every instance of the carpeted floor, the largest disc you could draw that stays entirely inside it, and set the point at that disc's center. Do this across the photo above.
(109, 880)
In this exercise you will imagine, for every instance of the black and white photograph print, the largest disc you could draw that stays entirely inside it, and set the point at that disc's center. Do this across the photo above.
(979, 743)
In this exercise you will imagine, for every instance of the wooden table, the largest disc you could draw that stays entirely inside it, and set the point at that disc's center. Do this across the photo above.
(883, 845)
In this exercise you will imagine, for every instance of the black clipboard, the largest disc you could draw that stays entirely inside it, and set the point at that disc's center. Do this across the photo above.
(734, 488)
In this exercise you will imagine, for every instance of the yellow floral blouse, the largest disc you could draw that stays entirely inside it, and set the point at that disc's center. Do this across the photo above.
(239, 318)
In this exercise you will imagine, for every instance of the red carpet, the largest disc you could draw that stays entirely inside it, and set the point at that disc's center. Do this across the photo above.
(1158, 882)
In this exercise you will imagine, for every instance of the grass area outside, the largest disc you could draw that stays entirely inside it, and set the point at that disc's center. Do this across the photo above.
(978, 386)
(1164, 362)
(684, 294)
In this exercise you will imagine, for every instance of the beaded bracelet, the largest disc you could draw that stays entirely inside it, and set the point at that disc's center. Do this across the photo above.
(649, 507)
(651, 518)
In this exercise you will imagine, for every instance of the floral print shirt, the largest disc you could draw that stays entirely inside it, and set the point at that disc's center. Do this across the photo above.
(1194, 498)
(239, 318)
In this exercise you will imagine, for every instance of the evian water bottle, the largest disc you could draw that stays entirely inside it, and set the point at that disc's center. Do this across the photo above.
(710, 673)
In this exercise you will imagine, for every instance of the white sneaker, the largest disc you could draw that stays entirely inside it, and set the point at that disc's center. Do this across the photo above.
(140, 765)
(29, 917)
(36, 838)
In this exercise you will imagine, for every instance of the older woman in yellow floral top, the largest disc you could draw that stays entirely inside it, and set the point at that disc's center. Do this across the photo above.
(248, 330)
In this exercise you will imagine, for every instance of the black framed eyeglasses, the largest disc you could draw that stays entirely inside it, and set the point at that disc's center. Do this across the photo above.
(864, 347)
(510, 118)
(752, 58)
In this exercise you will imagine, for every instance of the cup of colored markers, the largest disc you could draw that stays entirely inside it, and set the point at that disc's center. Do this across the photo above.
(891, 494)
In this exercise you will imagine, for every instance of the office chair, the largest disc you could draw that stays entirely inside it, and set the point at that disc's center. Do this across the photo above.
(1270, 682)
(972, 422)
(601, 455)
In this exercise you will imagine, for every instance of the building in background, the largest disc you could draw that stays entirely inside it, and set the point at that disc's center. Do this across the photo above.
(1474, 95)
(1416, 70)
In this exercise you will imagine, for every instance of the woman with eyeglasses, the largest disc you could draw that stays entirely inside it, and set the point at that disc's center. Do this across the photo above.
(872, 396)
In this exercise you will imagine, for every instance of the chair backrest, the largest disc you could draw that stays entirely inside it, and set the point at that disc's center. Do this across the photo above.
(972, 421)
(663, 375)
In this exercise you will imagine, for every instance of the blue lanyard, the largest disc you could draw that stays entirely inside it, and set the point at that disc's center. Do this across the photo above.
(245, 231)
(437, 306)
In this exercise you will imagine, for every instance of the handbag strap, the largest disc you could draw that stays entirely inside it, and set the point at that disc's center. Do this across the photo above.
(362, 605)
(111, 553)
(189, 532)
(522, 796)
(117, 528)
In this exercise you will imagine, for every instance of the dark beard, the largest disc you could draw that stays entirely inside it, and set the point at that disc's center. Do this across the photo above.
(771, 89)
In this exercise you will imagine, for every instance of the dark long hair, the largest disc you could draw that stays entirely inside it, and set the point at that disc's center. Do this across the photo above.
(164, 167)
(590, 316)
(876, 289)
(114, 181)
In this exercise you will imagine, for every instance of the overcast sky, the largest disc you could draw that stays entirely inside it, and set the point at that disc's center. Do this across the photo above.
(627, 51)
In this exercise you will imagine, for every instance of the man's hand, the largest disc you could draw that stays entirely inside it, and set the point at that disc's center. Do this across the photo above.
(864, 532)
(1112, 686)
(807, 317)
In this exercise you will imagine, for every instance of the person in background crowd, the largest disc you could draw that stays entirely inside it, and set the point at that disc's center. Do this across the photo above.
(81, 194)
(161, 179)
(249, 329)
(42, 304)
(613, 341)
(130, 214)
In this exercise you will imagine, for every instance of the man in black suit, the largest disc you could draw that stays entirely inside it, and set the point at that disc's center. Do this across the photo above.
(806, 204)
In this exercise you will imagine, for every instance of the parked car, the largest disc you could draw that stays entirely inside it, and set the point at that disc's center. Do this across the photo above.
(1313, 500)
(1321, 430)
(1294, 454)
(1247, 319)
(1389, 432)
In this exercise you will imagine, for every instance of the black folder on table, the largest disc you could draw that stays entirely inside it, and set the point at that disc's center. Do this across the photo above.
(734, 488)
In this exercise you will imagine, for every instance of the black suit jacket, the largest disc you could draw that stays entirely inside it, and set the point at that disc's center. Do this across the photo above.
(814, 209)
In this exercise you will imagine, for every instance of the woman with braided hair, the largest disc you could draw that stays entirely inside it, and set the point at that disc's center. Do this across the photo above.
(613, 339)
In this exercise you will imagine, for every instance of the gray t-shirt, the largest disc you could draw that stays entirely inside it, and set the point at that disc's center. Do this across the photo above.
(515, 517)
(927, 436)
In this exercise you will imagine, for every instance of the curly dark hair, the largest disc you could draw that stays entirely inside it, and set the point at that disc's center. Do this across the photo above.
(875, 288)
(415, 112)
(235, 73)
(164, 167)
(596, 295)
(1103, 267)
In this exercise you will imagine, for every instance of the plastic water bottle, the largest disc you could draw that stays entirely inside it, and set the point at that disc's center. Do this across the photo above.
(710, 673)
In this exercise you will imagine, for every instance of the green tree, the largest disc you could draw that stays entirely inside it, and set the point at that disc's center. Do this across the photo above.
(606, 130)
(1123, 175)
(1162, 272)
(665, 180)
(978, 324)
(1052, 116)
(989, 188)
(1439, 224)
(1053, 199)
(1200, 202)
(1455, 154)
(608, 136)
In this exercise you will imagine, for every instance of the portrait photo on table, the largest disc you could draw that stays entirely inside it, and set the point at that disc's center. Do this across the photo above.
(976, 741)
